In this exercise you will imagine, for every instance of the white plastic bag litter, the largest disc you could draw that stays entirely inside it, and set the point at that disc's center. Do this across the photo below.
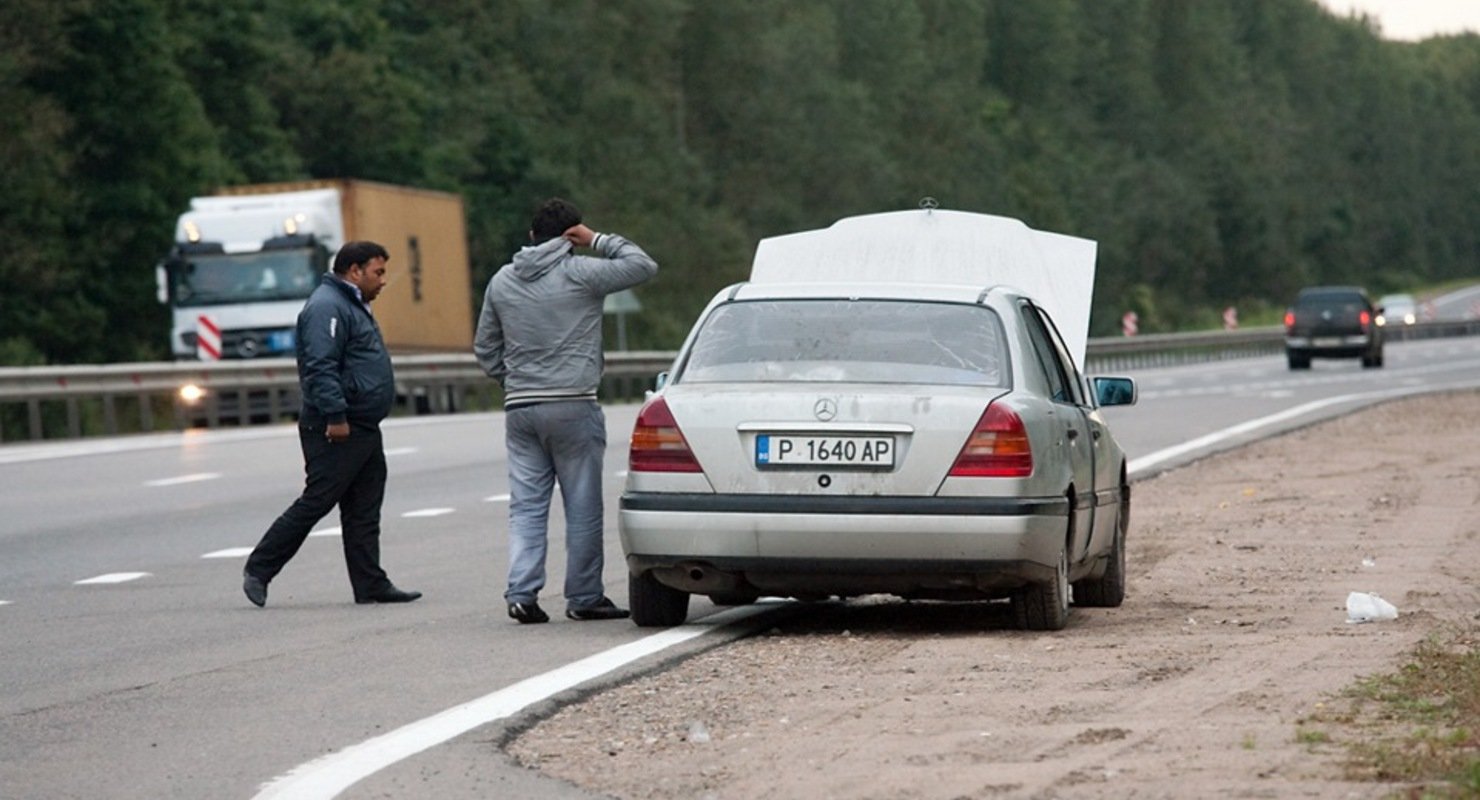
(1365, 607)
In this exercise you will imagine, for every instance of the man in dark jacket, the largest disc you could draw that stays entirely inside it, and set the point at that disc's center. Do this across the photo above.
(344, 373)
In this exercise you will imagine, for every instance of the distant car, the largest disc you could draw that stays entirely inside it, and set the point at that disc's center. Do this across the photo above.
(1332, 322)
(1397, 309)
(925, 440)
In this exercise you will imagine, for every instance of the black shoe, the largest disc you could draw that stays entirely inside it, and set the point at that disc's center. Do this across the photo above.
(255, 588)
(604, 609)
(528, 613)
(389, 594)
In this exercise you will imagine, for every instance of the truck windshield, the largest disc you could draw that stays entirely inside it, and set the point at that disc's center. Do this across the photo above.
(219, 278)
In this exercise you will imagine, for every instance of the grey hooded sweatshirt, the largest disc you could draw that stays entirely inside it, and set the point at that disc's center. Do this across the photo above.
(539, 333)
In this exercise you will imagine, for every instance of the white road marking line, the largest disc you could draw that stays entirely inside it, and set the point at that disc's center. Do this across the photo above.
(112, 577)
(4, 602)
(326, 532)
(400, 451)
(1138, 466)
(230, 552)
(326, 777)
(496, 498)
(428, 512)
(195, 478)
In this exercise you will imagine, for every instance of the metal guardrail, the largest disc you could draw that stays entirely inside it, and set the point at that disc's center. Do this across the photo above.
(39, 403)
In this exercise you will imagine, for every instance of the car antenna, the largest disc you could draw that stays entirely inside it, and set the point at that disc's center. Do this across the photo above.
(929, 203)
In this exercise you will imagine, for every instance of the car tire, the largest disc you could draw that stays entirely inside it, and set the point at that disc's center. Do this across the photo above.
(1298, 362)
(1108, 590)
(733, 598)
(1045, 606)
(655, 605)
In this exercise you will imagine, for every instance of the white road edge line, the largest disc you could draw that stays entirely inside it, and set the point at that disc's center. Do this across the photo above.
(326, 777)
(1137, 466)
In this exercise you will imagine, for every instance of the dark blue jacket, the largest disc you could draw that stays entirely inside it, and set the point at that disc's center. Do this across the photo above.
(344, 370)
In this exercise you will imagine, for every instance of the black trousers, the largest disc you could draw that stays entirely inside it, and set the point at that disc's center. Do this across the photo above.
(350, 474)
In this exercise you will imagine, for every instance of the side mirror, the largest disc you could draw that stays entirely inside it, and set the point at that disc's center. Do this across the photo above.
(1115, 391)
(660, 381)
(161, 284)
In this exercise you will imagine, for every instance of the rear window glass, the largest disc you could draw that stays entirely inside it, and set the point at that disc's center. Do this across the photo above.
(1348, 301)
(867, 341)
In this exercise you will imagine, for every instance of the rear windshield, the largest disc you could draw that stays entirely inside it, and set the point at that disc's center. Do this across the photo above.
(1347, 301)
(868, 341)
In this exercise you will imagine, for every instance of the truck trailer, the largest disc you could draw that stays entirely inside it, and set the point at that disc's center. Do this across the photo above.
(245, 259)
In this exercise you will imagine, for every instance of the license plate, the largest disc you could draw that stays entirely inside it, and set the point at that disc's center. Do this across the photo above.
(1326, 341)
(868, 452)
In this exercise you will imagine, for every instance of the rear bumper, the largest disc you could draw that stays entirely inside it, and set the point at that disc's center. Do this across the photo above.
(1348, 346)
(808, 545)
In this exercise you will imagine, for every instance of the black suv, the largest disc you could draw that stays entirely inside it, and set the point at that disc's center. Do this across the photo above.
(1332, 322)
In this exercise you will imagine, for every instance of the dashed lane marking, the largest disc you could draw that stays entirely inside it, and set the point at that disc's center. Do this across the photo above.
(326, 532)
(496, 498)
(230, 552)
(428, 512)
(400, 451)
(112, 577)
(179, 479)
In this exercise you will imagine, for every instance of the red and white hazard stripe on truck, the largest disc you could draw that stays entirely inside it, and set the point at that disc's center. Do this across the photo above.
(207, 339)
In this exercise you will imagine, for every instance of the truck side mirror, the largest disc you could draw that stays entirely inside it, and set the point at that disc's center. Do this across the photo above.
(161, 284)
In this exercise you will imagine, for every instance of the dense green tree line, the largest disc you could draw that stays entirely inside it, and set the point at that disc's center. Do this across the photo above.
(1221, 151)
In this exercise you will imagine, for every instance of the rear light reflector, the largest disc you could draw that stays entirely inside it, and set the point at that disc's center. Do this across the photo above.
(997, 448)
(657, 443)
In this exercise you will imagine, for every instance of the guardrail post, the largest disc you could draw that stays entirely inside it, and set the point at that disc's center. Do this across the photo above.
(110, 415)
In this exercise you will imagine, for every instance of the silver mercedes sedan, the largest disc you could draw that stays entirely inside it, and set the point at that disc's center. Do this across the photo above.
(920, 439)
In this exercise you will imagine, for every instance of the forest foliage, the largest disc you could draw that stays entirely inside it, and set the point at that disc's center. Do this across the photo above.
(1222, 152)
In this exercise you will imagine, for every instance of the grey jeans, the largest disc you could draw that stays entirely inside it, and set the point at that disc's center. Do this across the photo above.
(564, 441)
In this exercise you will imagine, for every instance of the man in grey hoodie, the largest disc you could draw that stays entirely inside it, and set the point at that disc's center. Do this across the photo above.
(539, 335)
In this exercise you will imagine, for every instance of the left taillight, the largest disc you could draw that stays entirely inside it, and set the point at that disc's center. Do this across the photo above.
(997, 448)
(657, 443)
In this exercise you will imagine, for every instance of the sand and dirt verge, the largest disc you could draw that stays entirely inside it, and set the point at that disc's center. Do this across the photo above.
(1234, 630)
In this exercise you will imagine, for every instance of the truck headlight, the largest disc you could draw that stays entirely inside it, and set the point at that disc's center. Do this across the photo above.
(190, 394)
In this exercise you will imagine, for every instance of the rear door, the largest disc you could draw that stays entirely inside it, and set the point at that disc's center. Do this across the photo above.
(1077, 441)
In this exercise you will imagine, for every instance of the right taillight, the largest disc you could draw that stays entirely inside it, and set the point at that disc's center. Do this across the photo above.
(657, 443)
(997, 448)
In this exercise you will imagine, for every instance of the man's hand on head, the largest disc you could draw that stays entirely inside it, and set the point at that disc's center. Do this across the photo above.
(579, 235)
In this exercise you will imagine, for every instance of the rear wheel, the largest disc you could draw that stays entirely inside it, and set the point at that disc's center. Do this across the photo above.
(1108, 590)
(655, 605)
(1045, 606)
(1298, 361)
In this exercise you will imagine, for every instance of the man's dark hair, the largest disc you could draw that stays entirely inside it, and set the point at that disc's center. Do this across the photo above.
(552, 218)
(353, 253)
